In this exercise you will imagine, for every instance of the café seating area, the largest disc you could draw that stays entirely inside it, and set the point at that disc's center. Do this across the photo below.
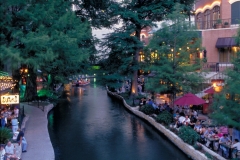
(9, 120)
(211, 135)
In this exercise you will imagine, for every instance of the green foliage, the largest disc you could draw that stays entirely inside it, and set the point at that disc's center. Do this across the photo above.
(197, 146)
(226, 103)
(45, 35)
(188, 135)
(164, 117)
(147, 109)
(123, 45)
(5, 135)
(172, 46)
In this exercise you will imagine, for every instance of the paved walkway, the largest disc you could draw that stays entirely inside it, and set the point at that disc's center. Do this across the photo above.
(36, 133)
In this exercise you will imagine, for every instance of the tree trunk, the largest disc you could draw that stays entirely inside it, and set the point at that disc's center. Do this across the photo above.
(31, 85)
(134, 87)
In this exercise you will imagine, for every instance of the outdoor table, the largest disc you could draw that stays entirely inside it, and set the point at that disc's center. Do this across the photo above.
(212, 140)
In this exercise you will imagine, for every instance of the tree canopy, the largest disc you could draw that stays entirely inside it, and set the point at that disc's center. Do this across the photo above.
(44, 35)
(172, 56)
(226, 103)
(134, 15)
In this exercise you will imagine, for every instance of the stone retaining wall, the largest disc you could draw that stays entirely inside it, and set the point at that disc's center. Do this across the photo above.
(187, 149)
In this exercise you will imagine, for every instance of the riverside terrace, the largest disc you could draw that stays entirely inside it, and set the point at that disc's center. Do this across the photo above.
(219, 139)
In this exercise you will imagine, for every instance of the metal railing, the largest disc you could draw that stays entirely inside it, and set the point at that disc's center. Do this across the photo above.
(217, 66)
(215, 24)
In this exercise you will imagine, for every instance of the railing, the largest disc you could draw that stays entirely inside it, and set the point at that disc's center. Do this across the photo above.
(215, 24)
(216, 66)
(218, 76)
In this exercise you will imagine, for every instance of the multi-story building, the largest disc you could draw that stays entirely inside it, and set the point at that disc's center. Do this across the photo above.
(218, 21)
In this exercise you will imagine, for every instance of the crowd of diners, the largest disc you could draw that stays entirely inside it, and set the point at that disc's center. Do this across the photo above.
(216, 138)
(9, 119)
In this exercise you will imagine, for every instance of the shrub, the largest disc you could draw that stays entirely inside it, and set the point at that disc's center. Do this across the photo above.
(197, 147)
(139, 96)
(147, 109)
(188, 135)
(164, 117)
(5, 135)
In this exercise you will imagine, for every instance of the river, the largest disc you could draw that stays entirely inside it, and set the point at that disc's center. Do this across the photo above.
(96, 127)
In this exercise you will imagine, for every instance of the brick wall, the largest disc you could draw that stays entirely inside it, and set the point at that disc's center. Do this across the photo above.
(225, 9)
(209, 39)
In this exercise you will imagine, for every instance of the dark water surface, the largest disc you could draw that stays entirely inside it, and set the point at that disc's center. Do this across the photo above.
(95, 127)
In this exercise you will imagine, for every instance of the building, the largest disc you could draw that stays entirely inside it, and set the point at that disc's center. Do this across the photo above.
(218, 22)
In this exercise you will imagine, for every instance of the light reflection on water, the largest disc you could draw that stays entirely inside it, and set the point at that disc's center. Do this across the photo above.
(95, 127)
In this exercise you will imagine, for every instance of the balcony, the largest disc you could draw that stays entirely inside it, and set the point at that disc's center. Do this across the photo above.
(216, 24)
(217, 66)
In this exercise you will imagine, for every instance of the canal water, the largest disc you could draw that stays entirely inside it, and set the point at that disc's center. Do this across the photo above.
(96, 127)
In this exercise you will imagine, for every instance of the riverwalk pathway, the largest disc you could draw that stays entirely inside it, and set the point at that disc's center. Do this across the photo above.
(36, 133)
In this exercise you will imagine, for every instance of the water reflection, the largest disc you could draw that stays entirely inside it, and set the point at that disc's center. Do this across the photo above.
(96, 127)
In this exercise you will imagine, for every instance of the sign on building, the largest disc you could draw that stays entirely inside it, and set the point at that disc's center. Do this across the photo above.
(10, 99)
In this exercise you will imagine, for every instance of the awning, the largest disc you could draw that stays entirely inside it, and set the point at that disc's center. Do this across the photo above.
(226, 42)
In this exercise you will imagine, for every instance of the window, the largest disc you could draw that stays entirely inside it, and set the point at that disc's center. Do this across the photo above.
(235, 11)
(199, 21)
(216, 13)
(207, 20)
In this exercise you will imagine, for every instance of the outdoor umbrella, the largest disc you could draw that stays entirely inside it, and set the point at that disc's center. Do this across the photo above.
(210, 91)
(189, 99)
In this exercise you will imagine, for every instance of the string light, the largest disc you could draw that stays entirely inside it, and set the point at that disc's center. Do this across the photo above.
(6, 83)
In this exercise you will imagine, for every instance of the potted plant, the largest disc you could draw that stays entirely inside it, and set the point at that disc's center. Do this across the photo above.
(226, 24)
(218, 23)
(5, 135)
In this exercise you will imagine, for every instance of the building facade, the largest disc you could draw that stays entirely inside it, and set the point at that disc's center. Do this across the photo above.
(218, 22)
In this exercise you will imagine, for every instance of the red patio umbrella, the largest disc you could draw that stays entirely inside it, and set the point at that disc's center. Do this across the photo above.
(210, 91)
(189, 99)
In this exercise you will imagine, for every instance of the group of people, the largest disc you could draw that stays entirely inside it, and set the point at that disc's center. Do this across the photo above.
(218, 138)
(9, 119)
(157, 107)
(9, 151)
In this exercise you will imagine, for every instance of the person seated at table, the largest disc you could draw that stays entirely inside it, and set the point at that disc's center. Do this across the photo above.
(186, 121)
(219, 134)
(175, 116)
(179, 122)
(236, 148)
(223, 141)
(197, 126)
(208, 134)
(195, 114)
(161, 107)
(149, 102)
(155, 107)
(141, 103)
(22, 140)
(201, 132)
(2, 152)
(10, 151)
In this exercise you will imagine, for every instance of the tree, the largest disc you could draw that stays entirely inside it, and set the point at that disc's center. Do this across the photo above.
(135, 15)
(226, 103)
(168, 56)
(45, 35)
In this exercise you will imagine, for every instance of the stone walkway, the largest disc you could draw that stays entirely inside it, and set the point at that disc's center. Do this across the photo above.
(36, 133)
